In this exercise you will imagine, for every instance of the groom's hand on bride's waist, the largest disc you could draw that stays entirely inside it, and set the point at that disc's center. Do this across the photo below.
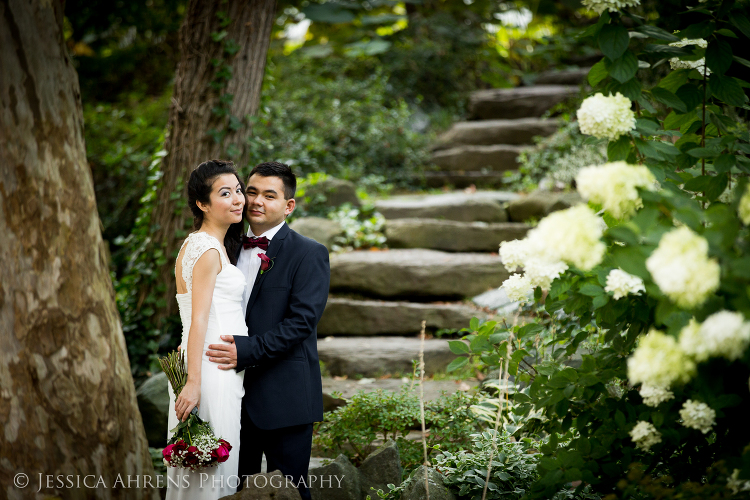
(223, 354)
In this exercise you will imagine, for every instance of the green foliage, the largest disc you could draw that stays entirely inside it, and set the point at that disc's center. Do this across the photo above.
(363, 228)
(381, 415)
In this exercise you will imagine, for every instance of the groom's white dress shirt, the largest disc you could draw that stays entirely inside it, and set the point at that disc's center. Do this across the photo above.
(249, 263)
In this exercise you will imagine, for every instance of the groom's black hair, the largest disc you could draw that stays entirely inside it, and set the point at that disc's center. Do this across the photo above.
(280, 170)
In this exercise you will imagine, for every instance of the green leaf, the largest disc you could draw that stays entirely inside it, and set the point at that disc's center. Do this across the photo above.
(458, 347)
(456, 364)
(625, 67)
(740, 22)
(666, 50)
(591, 290)
(480, 344)
(726, 32)
(703, 152)
(658, 33)
(674, 80)
(719, 56)
(724, 163)
(630, 89)
(597, 73)
(742, 61)
(664, 96)
(474, 324)
(328, 13)
(727, 89)
(646, 126)
(619, 149)
(698, 184)
(600, 301)
(613, 40)
(690, 94)
(716, 186)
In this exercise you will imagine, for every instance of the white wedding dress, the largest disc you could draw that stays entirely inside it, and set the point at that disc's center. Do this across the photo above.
(221, 390)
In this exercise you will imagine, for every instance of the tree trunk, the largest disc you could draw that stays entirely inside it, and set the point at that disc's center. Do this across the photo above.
(191, 116)
(67, 400)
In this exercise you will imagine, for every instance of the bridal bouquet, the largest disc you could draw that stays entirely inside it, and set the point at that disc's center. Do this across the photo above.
(193, 444)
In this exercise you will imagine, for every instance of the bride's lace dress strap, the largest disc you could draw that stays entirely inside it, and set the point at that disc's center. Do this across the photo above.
(196, 245)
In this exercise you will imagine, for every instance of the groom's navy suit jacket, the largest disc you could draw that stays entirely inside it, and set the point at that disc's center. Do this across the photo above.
(280, 354)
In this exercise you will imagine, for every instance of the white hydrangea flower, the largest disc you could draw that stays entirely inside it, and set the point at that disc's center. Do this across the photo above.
(744, 207)
(514, 254)
(724, 333)
(518, 288)
(700, 64)
(653, 395)
(659, 361)
(542, 273)
(606, 117)
(645, 435)
(614, 186)
(697, 415)
(572, 236)
(600, 6)
(681, 268)
(735, 484)
(621, 284)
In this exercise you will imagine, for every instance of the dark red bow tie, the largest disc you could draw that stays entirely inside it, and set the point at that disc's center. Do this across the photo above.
(253, 242)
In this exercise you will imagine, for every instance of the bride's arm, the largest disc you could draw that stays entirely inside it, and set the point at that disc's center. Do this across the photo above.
(204, 281)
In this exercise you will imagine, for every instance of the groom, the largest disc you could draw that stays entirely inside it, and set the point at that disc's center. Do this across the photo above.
(287, 288)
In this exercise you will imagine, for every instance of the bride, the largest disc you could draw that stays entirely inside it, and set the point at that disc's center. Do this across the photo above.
(209, 294)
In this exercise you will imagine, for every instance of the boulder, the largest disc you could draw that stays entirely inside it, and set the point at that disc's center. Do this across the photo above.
(153, 403)
(376, 356)
(490, 132)
(493, 158)
(330, 192)
(575, 76)
(324, 231)
(520, 102)
(330, 403)
(416, 273)
(484, 206)
(266, 486)
(540, 204)
(417, 490)
(339, 480)
(375, 317)
(451, 236)
(381, 467)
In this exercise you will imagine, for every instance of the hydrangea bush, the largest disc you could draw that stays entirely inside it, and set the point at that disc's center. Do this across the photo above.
(655, 267)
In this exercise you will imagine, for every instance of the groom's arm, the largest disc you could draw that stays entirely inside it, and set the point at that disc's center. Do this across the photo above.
(307, 301)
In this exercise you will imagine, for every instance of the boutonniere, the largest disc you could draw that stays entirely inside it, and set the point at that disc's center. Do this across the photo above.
(265, 263)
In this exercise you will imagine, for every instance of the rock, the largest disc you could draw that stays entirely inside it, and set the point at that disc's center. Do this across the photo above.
(416, 489)
(266, 486)
(520, 102)
(381, 467)
(330, 403)
(451, 236)
(494, 158)
(489, 132)
(321, 230)
(339, 480)
(376, 356)
(540, 204)
(575, 76)
(331, 192)
(485, 206)
(461, 179)
(416, 273)
(497, 300)
(153, 402)
(375, 317)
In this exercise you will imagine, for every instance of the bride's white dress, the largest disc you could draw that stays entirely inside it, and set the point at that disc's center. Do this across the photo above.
(221, 390)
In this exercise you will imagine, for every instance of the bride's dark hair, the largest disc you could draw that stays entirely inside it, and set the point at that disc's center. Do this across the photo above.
(199, 189)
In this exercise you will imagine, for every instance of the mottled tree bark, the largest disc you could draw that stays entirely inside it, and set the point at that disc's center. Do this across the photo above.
(67, 400)
(191, 117)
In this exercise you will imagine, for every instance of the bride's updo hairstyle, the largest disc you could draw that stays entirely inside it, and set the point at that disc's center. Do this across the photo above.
(199, 189)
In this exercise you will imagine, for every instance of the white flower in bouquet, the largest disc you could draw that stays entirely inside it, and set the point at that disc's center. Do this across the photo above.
(542, 273)
(514, 254)
(645, 435)
(606, 117)
(620, 284)
(614, 186)
(697, 415)
(724, 333)
(600, 6)
(659, 361)
(699, 64)
(682, 269)
(572, 235)
(653, 395)
(518, 288)
(744, 207)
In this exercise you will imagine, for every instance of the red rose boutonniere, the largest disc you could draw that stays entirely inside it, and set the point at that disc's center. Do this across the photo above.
(265, 263)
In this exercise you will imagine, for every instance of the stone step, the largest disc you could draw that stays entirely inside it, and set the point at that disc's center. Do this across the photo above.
(483, 206)
(575, 76)
(462, 179)
(490, 132)
(494, 158)
(452, 236)
(376, 317)
(519, 102)
(416, 273)
(539, 204)
(432, 388)
(376, 356)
